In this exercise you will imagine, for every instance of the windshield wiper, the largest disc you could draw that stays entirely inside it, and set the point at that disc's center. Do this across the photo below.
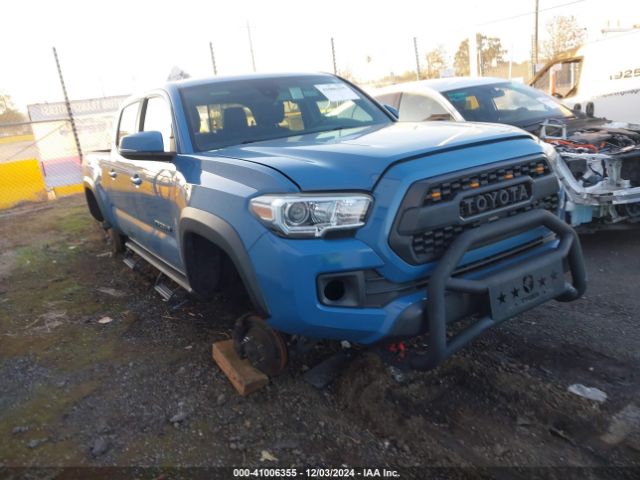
(340, 127)
(336, 128)
(264, 139)
(541, 121)
(294, 134)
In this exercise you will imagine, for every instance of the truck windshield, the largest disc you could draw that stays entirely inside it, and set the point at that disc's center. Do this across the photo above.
(242, 111)
(507, 102)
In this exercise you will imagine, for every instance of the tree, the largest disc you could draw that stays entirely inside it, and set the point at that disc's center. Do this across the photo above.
(490, 51)
(461, 59)
(347, 74)
(436, 61)
(8, 112)
(563, 33)
(177, 74)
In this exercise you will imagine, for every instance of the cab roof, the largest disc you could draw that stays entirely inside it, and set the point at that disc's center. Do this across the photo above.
(195, 82)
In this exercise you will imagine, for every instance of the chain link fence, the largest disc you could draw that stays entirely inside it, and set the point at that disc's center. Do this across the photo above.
(39, 158)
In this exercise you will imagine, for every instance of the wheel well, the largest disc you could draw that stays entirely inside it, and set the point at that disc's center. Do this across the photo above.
(209, 268)
(92, 202)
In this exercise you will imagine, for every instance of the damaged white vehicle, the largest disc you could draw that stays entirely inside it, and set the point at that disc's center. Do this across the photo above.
(598, 161)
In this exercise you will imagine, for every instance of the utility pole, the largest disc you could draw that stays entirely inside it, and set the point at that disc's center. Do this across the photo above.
(68, 105)
(213, 59)
(510, 60)
(333, 55)
(415, 47)
(473, 54)
(253, 58)
(535, 38)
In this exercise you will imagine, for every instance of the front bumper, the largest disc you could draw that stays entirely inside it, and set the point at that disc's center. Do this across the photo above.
(288, 272)
(525, 277)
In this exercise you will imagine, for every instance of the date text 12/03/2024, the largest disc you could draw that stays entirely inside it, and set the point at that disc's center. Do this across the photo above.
(315, 473)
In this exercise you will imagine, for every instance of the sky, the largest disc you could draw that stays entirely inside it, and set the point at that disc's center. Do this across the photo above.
(119, 47)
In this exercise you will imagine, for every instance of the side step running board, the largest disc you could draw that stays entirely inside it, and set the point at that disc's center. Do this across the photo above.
(169, 271)
(130, 262)
(164, 291)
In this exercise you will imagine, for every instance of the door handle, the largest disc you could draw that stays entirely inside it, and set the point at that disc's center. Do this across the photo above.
(113, 174)
(136, 180)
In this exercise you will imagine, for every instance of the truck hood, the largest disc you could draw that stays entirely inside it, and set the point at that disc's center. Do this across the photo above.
(355, 158)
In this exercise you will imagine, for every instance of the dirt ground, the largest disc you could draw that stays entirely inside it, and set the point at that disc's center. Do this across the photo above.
(142, 388)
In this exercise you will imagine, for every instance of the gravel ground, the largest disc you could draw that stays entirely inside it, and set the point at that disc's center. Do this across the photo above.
(96, 370)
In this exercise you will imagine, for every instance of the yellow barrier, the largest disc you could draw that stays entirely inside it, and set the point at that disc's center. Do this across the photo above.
(16, 139)
(21, 181)
(67, 190)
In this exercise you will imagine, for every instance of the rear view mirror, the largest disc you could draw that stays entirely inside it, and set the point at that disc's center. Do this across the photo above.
(144, 145)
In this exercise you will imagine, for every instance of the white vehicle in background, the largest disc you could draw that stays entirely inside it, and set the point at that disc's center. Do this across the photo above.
(598, 161)
(601, 78)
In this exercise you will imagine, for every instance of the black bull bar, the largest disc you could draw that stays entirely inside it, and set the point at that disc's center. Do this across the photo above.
(569, 249)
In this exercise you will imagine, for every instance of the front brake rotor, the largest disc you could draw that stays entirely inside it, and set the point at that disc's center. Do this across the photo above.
(260, 344)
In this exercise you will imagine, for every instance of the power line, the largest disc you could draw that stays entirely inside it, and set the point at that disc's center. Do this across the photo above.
(530, 13)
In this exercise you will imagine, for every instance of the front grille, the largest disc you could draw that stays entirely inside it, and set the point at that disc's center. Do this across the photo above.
(436, 211)
(431, 245)
(445, 191)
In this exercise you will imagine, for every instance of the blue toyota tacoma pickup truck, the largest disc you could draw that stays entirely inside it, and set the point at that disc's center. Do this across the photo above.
(340, 222)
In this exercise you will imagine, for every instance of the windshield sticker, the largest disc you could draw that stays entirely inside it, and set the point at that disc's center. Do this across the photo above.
(337, 92)
(296, 93)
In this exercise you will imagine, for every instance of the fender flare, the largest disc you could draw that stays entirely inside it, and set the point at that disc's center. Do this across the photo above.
(89, 183)
(89, 186)
(224, 236)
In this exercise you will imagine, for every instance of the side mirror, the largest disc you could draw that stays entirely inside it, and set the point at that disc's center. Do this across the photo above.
(393, 111)
(144, 145)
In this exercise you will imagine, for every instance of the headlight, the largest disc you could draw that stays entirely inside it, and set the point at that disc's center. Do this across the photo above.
(310, 216)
